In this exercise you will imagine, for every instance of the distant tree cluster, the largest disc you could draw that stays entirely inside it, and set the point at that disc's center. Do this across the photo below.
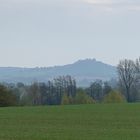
(50, 93)
(98, 90)
(63, 90)
(59, 91)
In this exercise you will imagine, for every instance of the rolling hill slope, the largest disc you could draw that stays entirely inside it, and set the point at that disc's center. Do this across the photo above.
(84, 71)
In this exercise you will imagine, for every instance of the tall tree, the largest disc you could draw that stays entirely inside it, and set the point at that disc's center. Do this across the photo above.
(96, 90)
(34, 93)
(106, 88)
(127, 76)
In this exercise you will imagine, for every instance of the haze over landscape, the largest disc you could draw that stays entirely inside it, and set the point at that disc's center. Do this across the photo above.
(69, 69)
(56, 32)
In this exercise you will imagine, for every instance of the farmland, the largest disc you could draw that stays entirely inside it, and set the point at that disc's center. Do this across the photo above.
(74, 122)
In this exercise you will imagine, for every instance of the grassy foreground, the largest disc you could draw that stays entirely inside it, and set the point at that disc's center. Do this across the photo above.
(81, 122)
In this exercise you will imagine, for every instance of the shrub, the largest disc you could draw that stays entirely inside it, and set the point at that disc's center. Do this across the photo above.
(83, 98)
(65, 100)
(114, 97)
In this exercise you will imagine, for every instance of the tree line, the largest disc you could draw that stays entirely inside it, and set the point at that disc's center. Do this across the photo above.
(63, 89)
(59, 91)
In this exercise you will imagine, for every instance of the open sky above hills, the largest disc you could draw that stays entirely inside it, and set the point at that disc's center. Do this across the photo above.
(57, 32)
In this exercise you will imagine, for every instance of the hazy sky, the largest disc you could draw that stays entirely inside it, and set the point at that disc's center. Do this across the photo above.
(55, 32)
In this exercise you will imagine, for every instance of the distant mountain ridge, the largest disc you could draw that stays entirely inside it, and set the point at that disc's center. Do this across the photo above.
(84, 71)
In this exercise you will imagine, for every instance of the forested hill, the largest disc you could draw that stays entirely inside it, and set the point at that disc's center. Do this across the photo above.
(84, 71)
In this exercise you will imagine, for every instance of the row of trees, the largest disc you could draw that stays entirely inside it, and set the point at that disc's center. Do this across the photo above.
(50, 93)
(63, 90)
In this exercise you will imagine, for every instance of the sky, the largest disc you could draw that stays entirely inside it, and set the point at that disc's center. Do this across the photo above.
(56, 32)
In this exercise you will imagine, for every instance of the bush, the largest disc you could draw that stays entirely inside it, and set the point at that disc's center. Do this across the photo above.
(65, 100)
(114, 97)
(83, 98)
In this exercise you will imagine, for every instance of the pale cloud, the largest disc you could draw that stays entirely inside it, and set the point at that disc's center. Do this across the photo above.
(38, 3)
(106, 2)
(115, 5)
(134, 3)
(48, 2)
(134, 8)
(98, 1)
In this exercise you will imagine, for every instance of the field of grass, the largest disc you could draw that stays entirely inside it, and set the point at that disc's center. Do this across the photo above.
(81, 122)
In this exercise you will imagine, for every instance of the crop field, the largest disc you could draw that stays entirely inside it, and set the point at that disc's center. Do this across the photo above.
(76, 122)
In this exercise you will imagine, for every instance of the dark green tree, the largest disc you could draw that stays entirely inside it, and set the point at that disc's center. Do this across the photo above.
(7, 98)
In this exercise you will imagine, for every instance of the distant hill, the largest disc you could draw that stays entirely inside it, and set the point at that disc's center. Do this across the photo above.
(84, 71)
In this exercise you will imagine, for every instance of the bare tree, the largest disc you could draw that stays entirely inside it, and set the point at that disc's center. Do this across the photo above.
(137, 66)
(34, 93)
(127, 76)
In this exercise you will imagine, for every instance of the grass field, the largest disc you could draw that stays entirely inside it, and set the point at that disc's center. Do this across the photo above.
(81, 122)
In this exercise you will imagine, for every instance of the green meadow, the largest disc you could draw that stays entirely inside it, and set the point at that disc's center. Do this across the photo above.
(75, 122)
